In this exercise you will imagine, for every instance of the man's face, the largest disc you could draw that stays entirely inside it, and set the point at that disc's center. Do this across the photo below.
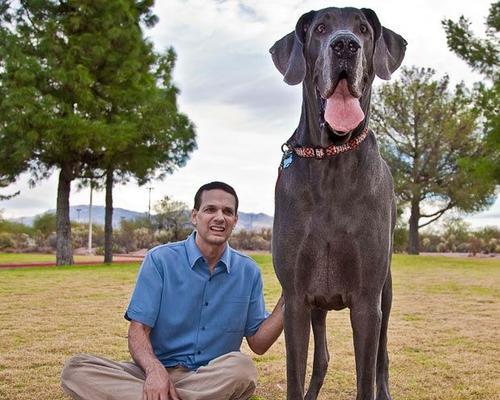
(216, 217)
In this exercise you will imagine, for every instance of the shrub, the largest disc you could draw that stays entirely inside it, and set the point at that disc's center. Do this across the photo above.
(252, 240)
(6, 241)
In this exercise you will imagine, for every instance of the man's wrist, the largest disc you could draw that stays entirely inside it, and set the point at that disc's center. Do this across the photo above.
(154, 366)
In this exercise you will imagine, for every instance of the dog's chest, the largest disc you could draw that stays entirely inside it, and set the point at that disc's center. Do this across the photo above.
(331, 225)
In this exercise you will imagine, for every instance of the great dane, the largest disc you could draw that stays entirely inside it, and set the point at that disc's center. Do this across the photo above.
(335, 206)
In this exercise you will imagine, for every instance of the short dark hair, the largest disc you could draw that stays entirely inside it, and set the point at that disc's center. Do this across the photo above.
(212, 186)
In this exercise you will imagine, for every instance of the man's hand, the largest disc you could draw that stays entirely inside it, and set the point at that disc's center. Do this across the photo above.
(269, 330)
(158, 385)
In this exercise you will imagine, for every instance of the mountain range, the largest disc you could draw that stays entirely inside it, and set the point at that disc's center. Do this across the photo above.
(80, 213)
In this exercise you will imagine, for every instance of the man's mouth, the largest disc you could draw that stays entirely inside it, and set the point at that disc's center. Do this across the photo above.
(217, 228)
(340, 111)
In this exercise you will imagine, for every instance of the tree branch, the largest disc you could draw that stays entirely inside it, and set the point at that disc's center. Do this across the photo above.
(437, 215)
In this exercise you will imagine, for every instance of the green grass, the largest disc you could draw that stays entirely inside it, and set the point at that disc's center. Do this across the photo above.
(7, 258)
(20, 258)
(444, 333)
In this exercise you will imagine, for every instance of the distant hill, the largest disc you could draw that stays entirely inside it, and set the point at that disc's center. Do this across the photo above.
(251, 221)
(80, 213)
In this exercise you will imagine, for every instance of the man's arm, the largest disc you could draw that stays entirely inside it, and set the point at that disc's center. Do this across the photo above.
(158, 385)
(268, 331)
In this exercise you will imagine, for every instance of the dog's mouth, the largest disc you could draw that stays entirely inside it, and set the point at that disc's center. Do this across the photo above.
(340, 110)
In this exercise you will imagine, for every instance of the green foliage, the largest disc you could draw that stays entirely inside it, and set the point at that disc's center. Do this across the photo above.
(125, 237)
(172, 219)
(426, 131)
(6, 181)
(45, 224)
(80, 235)
(482, 55)
(14, 227)
(252, 240)
(82, 90)
(6, 241)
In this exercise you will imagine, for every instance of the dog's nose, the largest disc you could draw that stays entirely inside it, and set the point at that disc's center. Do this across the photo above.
(345, 45)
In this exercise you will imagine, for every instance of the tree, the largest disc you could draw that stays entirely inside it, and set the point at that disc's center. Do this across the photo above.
(5, 181)
(426, 130)
(73, 79)
(45, 223)
(482, 55)
(174, 217)
(161, 141)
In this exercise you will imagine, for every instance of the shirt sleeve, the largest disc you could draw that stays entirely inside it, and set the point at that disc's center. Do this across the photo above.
(257, 309)
(146, 298)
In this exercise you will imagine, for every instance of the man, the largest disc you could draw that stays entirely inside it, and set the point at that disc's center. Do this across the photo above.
(193, 303)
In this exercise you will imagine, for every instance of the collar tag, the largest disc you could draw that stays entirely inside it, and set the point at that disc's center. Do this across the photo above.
(287, 159)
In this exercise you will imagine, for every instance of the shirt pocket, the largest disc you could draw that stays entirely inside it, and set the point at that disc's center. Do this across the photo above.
(235, 319)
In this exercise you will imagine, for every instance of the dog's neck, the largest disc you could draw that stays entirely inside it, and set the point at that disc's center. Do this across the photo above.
(310, 133)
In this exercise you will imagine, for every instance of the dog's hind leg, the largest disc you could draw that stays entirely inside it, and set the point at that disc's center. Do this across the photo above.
(297, 329)
(382, 357)
(321, 356)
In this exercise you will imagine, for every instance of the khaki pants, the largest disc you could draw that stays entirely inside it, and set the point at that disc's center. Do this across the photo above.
(87, 377)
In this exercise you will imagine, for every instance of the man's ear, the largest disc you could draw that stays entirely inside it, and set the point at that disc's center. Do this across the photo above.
(288, 52)
(389, 47)
(194, 212)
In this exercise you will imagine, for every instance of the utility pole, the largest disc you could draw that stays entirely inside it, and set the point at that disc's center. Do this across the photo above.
(78, 214)
(149, 204)
(90, 219)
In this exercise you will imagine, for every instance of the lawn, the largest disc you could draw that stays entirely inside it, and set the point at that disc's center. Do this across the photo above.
(32, 258)
(444, 333)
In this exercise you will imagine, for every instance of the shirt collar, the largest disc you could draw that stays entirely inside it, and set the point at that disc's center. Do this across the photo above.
(194, 253)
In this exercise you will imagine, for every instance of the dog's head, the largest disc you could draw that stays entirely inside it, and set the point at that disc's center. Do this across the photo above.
(339, 51)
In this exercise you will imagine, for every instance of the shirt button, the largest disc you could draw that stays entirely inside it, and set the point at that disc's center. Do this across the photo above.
(199, 352)
(203, 328)
(206, 303)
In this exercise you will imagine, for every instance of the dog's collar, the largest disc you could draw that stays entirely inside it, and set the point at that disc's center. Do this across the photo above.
(324, 152)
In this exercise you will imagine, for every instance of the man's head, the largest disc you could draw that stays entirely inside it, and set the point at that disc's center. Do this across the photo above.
(215, 213)
(212, 186)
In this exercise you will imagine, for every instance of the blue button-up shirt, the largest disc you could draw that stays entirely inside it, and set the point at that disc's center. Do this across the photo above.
(196, 316)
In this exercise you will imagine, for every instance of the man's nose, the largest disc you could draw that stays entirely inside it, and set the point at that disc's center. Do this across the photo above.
(219, 215)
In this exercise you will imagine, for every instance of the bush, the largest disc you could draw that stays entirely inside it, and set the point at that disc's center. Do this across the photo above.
(252, 240)
(6, 241)
(400, 243)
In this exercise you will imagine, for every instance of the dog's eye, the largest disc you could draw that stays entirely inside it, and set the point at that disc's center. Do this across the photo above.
(321, 28)
(363, 28)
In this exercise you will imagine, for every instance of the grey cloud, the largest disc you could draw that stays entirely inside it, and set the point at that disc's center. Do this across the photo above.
(249, 13)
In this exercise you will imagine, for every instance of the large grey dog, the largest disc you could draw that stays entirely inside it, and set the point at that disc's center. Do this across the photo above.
(335, 208)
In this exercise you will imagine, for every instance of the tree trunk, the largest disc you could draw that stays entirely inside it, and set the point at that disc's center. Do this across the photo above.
(108, 219)
(64, 248)
(414, 241)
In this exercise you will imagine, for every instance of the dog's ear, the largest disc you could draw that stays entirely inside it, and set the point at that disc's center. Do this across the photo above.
(288, 52)
(389, 47)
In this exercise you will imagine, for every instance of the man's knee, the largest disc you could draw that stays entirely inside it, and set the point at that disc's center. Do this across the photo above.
(71, 365)
(242, 369)
(73, 368)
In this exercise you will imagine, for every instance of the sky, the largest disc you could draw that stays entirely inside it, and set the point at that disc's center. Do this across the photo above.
(242, 109)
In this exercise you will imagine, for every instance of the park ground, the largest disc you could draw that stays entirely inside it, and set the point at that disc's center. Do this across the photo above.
(444, 336)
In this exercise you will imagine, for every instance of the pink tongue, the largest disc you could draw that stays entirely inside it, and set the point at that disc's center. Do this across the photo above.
(343, 111)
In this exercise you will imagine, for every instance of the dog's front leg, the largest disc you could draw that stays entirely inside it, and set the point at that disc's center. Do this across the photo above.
(366, 318)
(297, 330)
